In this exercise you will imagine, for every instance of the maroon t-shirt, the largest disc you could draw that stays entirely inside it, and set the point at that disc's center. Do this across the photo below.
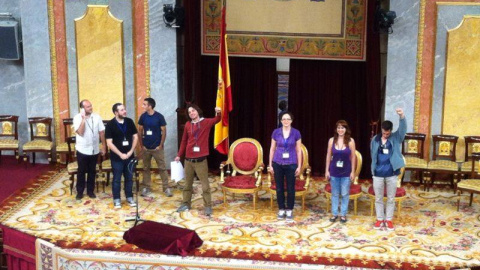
(196, 134)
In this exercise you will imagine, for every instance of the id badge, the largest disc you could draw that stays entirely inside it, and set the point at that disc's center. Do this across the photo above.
(339, 164)
(196, 149)
(285, 155)
(385, 151)
(149, 132)
(125, 143)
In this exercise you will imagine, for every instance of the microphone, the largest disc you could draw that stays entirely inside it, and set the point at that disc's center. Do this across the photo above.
(134, 161)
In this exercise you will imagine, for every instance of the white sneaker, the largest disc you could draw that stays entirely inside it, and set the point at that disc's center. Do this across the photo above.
(131, 202)
(289, 214)
(168, 192)
(145, 192)
(117, 204)
(281, 214)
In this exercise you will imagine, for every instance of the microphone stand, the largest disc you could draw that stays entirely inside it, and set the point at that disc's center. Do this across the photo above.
(137, 218)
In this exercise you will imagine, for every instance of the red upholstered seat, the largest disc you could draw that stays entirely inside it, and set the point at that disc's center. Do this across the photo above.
(245, 156)
(240, 181)
(354, 189)
(299, 185)
(400, 192)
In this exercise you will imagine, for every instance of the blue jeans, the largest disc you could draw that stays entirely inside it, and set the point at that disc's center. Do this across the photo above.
(125, 167)
(340, 185)
(284, 173)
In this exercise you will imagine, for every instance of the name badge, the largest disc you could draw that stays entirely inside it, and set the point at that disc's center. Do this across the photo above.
(340, 164)
(149, 132)
(125, 143)
(385, 151)
(286, 155)
(196, 149)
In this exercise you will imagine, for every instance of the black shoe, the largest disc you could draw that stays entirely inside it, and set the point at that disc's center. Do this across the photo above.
(333, 219)
(92, 195)
(79, 196)
(343, 219)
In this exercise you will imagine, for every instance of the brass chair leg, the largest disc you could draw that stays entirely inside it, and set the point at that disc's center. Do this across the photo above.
(399, 211)
(271, 201)
(224, 198)
(355, 206)
(371, 206)
(303, 203)
(254, 201)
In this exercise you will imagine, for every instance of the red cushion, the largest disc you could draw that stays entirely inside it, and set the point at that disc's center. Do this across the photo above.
(400, 192)
(299, 185)
(245, 156)
(240, 181)
(354, 189)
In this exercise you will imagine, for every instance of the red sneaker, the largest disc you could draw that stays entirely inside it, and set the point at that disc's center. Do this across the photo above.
(389, 224)
(379, 224)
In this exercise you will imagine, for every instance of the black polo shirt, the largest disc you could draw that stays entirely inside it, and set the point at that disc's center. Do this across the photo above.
(120, 133)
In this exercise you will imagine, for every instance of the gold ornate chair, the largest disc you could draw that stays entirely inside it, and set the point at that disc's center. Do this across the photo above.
(400, 195)
(245, 156)
(443, 159)
(40, 138)
(355, 188)
(302, 183)
(472, 145)
(62, 148)
(412, 150)
(9, 134)
(472, 184)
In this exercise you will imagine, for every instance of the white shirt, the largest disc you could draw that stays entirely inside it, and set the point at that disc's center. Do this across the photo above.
(88, 144)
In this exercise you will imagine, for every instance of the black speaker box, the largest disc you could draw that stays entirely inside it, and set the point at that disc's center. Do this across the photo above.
(10, 40)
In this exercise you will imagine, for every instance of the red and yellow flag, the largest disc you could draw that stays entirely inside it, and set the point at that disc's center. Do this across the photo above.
(224, 92)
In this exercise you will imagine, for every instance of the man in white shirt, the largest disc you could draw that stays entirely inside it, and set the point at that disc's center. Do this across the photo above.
(89, 130)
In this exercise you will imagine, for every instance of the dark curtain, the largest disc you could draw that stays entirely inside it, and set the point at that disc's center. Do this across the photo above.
(323, 92)
(254, 88)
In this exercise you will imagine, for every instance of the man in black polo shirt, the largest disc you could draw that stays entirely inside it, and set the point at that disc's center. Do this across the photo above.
(122, 138)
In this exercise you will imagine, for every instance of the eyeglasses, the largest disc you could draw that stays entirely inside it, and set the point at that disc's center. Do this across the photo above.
(286, 119)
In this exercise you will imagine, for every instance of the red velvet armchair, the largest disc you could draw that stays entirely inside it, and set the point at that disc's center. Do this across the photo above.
(245, 157)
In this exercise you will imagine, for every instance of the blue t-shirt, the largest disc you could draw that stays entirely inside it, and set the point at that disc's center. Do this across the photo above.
(384, 167)
(152, 132)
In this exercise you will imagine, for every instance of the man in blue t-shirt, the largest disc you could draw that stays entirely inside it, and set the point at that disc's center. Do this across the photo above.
(153, 128)
(387, 160)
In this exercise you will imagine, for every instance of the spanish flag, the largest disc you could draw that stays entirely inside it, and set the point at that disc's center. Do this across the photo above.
(224, 91)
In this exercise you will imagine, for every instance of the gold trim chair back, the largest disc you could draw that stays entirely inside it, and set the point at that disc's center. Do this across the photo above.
(250, 181)
(231, 152)
(40, 137)
(9, 134)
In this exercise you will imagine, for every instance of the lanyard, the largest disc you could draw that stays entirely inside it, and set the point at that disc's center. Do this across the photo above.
(88, 124)
(195, 134)
(123, 128)
(285, 145)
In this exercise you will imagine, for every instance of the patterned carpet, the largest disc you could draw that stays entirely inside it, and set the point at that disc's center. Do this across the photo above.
(430, 234)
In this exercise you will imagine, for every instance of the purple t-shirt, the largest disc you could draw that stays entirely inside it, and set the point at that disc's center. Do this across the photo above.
(286, 146)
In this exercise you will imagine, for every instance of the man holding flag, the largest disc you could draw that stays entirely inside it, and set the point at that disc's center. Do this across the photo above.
(224, 92)
(194, 146)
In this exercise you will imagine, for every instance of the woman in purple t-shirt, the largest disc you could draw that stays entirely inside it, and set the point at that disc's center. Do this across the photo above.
(285, 161)
(340, 168)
